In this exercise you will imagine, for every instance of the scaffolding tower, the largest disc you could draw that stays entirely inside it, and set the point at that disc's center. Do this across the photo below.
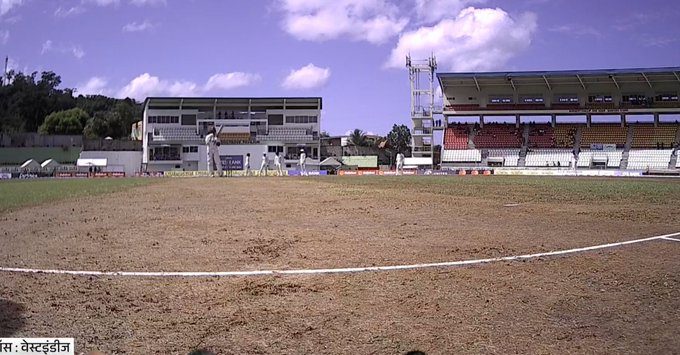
(422, 75)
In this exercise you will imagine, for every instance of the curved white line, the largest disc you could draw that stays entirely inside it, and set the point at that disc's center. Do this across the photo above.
(330, 271)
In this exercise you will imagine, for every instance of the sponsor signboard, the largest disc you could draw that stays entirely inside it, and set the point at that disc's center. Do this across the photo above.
(231, 162)
(4, 176)
(309, 173)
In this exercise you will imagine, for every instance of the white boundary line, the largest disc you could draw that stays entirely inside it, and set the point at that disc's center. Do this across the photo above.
(673, 239)
(332, 271)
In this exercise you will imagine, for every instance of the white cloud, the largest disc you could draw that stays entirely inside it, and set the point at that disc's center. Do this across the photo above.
(226, 81)
(148, 2)
(577, 30)
(148, 85)
(72, 11)
(307, 77)
(7, 5)
(75, 50)
(46, 47)
(138, 27)
(477, 39)
(374, 21)
(4, 36)
(95, 86)
(430, 11)
(102, 2)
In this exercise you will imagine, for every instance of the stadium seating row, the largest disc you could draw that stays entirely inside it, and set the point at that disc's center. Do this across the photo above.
(175, 134)
(613, 158)
(604, 134)
(462, 156)
(541, 136)
(649, 159)
(510, 156)
(549, 157)
(648, 136)
(498, 136)
(456, 138)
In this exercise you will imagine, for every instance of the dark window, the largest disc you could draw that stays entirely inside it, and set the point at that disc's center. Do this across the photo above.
(275, 120)
(188, 120)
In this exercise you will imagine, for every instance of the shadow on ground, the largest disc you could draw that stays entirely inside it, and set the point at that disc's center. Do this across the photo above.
(11, 317)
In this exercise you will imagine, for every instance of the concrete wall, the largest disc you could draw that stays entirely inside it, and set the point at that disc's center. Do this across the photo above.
(129, 162)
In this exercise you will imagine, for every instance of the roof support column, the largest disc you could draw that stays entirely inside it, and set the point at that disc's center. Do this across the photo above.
(553, 120)
(481, 120)
(589, 119)
(656, 119)
(517, 121)
(623, 120)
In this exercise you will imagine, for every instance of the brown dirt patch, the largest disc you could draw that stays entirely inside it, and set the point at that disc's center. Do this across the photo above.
(619, 300)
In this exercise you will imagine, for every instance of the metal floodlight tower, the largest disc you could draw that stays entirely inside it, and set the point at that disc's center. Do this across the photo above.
(421, 75)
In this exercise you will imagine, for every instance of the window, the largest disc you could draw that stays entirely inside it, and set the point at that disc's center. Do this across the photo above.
(166, 119)
(500, 100)
(302, 119)
(188, 120)
(185, 149)
(275, 149)
(600, 98)
(275, 120)
(567, 99)
(190, 149)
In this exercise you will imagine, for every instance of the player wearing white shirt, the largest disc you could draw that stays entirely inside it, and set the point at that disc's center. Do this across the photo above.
(212, 144)
(264, 166)
(400, 164)
(246, 165)
(303, 163)
(277, 165)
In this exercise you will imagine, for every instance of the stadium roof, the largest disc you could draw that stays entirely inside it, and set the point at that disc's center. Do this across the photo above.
(579, 77)
(194, 99)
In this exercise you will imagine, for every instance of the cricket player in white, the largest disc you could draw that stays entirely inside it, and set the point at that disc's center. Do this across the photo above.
(264, 166)
(246, 164)
(212, 143)
(400, 164)
(303, 163)
(277, 165)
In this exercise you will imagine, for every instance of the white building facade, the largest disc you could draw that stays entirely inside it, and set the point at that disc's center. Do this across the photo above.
(174, 130)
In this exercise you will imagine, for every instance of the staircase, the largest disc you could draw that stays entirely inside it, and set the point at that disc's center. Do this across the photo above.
(626, 149)
(577, 138)
(525, 146)
(674, 160)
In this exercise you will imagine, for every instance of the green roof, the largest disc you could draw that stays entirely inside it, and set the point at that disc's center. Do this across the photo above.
(17, 156)
(367, 161)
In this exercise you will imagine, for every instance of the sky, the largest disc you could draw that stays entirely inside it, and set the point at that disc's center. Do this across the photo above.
(349, 52)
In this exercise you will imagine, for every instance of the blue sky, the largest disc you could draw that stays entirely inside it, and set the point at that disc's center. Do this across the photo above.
(350, 52)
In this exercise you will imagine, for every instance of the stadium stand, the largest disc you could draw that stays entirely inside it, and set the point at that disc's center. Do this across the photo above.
(235, 138)
(613, 158)
(549, 157)
(497, 136)
(286, 134)
(649, 159)
(175, 134)
(464, 107)
(565, 135)
(456, 138)
(604, 134)
(648, 136)
(510, 156)
(541, 136)
(462, 156)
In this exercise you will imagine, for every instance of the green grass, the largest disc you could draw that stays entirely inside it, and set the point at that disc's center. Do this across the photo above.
(16, 194)
(528, 188)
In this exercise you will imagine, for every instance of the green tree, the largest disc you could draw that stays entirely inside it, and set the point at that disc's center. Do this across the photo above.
(399, 139)
(64, 122)
(358, 139)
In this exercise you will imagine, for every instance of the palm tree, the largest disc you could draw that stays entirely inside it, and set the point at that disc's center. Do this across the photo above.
(358, 139)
